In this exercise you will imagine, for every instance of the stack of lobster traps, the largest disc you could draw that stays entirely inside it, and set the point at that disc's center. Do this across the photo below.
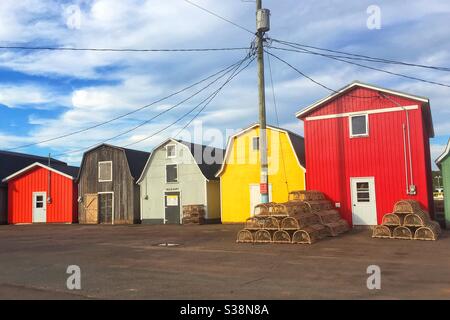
(306, 218)
(407, 221)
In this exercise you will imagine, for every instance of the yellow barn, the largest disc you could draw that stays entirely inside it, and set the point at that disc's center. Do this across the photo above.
(240, 171)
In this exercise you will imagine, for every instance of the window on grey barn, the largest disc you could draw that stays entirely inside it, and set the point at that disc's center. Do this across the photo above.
(171, 173)
(105, 171)
(359, 125)
(171, 151)
(255, 143)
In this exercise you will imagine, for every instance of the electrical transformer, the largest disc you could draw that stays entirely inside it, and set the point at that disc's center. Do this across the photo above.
(263, 20)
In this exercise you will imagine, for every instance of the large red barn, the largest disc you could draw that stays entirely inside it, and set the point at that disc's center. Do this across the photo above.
(368, 147)
(43, 194)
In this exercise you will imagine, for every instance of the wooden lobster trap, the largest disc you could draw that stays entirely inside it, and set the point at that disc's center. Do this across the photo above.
(402, 232)
(328, 216)
(245, 236)
(299, 221)
(319, 205)
(254, 223)
(382, 231)
(337, 228)
(428, 232)
(306, 195)
(281, 236)
(292, 208)
(393, 219)
(308, 235)
(271, 223)
(418, 219)
(333, 222)
(270, 209)
(407, 206)
(262, 236)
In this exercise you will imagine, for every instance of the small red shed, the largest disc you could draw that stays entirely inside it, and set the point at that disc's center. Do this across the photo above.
(368, 147)
(43, 194)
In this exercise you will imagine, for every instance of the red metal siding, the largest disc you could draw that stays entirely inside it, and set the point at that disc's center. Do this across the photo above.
(333, 157)
(63, 192)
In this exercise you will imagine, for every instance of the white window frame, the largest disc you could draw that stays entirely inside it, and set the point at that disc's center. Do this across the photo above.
(175, 151)
(351, 128)
(111, 163)
(165, 172)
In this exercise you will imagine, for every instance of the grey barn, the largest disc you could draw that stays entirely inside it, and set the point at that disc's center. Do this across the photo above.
(107, 189)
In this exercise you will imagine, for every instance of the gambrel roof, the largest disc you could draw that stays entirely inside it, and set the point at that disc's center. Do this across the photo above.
(136, 159)
(208, 169)
(297, 143)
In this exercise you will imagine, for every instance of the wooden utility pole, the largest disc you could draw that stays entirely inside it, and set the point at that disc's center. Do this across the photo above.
(264, 183)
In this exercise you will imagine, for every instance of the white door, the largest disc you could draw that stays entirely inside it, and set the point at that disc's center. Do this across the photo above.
(364, 207)
(39, 207)
(255, 197)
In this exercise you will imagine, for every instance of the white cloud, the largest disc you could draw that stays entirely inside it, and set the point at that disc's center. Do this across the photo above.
(18, 95)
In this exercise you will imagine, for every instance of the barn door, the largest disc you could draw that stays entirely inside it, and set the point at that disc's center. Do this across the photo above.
(364, 207)
(172, 207)
(91, 208)
(105, 208)
(39, 207)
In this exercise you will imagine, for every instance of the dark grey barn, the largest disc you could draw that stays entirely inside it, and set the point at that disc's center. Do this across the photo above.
(107, 189)
(11, 162)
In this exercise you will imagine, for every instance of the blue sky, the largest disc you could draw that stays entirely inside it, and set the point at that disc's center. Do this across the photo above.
(44, 94)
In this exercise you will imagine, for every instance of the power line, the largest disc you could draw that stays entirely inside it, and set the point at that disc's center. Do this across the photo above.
(205, 101)
(315, 81)
(125, 114)
(158, 115)
(219, 16)
(363, 57)
(278, 122)
(215, 94)
(43, 48)
(365, 66)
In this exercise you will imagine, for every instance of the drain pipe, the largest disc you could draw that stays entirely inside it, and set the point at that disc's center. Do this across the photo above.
(411, 187)
(406, 161)
(49, 182)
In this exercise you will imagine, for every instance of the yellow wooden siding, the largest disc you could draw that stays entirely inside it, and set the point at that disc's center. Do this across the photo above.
(243, 169)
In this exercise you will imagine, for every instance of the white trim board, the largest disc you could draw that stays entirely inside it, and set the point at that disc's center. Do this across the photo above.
(350, 126)
(362, 85)
(98, 172)
(444, 154)
(36, 164)
(372, 111)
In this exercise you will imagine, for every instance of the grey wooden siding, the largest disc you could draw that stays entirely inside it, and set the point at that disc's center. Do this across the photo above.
(126, 192)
